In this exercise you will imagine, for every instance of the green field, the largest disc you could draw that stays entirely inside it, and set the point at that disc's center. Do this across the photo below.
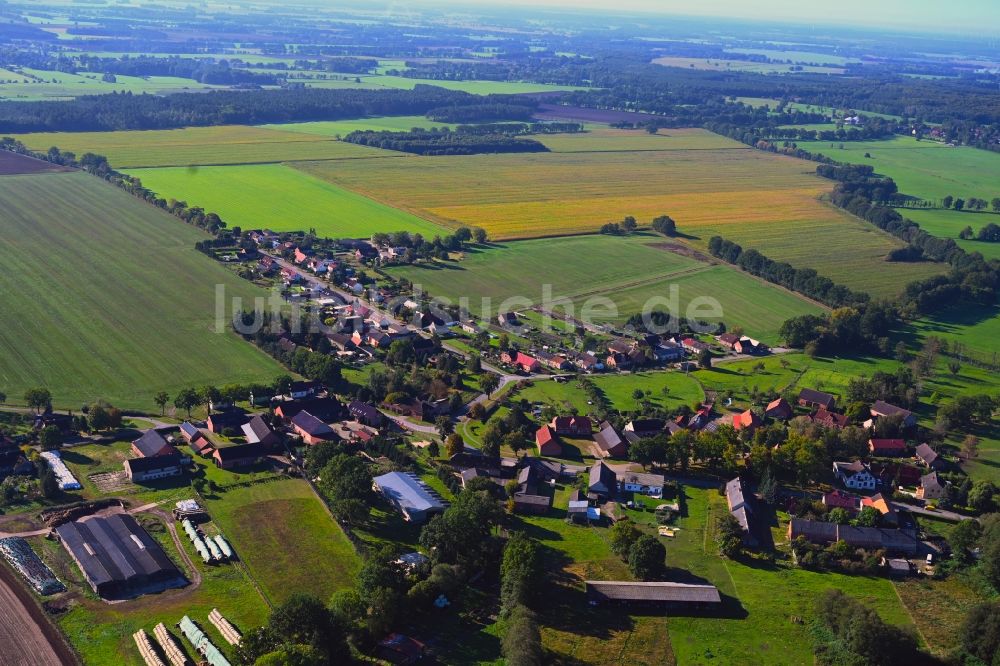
(200, 146)
(40, 85)
(332, 128)
(628, 271)
(925, 169)
(109, 305)
(287, 539)
(473, 87)
(763, 201)
(275, 196)
(666, 390)
(949, 223)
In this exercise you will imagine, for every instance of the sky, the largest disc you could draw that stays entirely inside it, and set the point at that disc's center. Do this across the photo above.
(979, 17)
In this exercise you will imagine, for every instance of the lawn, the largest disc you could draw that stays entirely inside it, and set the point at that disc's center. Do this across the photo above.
(286, 538)
(611, 277)
(200, 146)
(280, 198)
(765, 201)
(926, 169)
(110, 305)
(663, 389)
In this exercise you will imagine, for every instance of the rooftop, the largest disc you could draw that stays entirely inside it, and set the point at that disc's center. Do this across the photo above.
(655, 591)
(408, 492)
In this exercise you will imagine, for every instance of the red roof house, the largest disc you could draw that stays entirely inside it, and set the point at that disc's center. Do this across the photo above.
(778, 409)
(548, 443)
(887, 447)
(572, 426)
(746, 421)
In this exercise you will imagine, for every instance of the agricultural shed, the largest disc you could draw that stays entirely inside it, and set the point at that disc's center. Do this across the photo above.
(156, 467)
(117, 557)
(411, 496)
(152, 444)
(657, 593)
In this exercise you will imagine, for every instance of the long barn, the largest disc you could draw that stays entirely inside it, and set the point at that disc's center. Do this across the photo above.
(118, 557)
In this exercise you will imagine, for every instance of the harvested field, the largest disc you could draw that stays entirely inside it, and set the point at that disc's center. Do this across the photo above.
(200, 146)
(600, 139)
(763, 201)
(12, 164)
(736, 65)
(585, 115)
(26, 637)
(331, 128)
(283, 199)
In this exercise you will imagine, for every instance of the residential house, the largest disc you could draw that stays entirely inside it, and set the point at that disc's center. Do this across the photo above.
(608, 444)
(367, 414)
(892, 474)
(256, 431)
(234, 457)
(152, 444)
(326, 409)
(548, 443)
(190, 432)
(526, 497)
(521, 361)
(140, 470)
(49, 418)
(553, 361)
(932, 487)
(588, 363)
(229, 419)
(266, 265)
(311, 429)
(471, 327)
(301, 255)
(882, 505)
(669, 352)
(728, 340)
(829, 419)
(747, 420)
(841, 500)
(507, 319)
(778, 409)
(602, 481)
(341, 341)
(303, 389)
(928, 457)
(881, 408)
(702, 418)
(749, 346)
(855, 475)
(642, 428)
(887, 448)
(290, 276)
(816, 399)
(694, 346)
(572, 426)
(641, 482)
(741, 505)
(422, 410)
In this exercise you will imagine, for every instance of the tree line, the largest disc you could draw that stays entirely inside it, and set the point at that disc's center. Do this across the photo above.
(442, 141)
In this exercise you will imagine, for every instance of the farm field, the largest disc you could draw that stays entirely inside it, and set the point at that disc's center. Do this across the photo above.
(601, 139)
(925, 169)
(200, 146)
(811, 57)
(40, 85)
(278, 197)
(92, 316)
(949, 223)
(474, 87)
(626, 270)
(765, 201)
(736, 65)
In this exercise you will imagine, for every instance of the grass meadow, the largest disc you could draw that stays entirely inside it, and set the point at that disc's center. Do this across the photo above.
(926, 169)
(277, 197)
(200, 146)
(949, 223)
(333, 128)
(764, 201)
(115, 306)
(628, 271)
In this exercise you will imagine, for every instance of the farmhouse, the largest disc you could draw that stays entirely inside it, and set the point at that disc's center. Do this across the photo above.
(747, 420)
(232, 418)
(816, 399)
(652, 593)
(602, 481)
(553, 361)
(299, 390)
(117, 557)
(367, 414)
(694, 346)
(190, 432)
(728, 340)
(855, 475)
(931, 487)
(326, 409)
(928, 457)
(521, 361)
(895, 473)
(152, 444)
(258, 432)
(607, 443)
(747, 345)
(640, 482)
(741, 506)
(642, 428)
(669, 352)
(139, 470)
(869, 538)
(887, 448)
(526, 498)
(881, 408)
(841, 500)
(241, 455)
(411, 496)
(311, 429)
(548, 444)
(881, 504)
(572, 426)
(778, 409)
(828, 419)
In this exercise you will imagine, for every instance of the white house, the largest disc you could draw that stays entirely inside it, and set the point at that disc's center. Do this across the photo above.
(641, 482)
(855, 475)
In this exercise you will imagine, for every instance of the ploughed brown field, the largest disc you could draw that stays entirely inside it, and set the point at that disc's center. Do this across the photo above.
(12, 164)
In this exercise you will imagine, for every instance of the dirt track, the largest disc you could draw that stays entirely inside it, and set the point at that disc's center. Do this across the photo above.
(27, 638)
